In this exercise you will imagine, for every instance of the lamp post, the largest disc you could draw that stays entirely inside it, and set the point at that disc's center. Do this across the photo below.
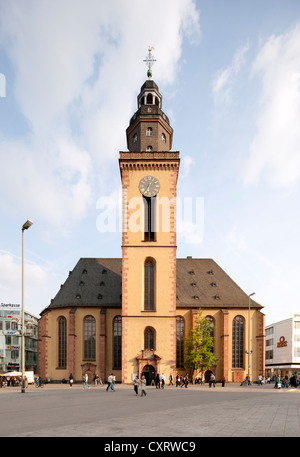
(25, 226)
(249, 351)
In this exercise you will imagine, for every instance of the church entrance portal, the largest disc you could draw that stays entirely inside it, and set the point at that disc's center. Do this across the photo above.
(149, 373)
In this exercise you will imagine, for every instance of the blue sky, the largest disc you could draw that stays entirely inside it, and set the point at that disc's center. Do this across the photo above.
(229, 74)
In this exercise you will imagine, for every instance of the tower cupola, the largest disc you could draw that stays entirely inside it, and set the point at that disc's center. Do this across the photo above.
(149, 128)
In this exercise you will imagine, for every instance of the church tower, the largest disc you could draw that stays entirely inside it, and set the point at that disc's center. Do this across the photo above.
(149, 172)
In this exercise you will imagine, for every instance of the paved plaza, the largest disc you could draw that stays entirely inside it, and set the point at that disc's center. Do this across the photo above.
(57, 410)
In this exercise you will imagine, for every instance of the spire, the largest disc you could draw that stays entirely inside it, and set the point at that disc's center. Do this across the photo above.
(149, 61)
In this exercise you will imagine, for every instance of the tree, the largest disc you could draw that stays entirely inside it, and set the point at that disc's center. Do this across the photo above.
(199, 344)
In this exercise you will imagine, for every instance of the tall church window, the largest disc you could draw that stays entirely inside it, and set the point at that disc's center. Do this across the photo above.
(149, 273)
(179, 342)
(117, 323)
(149, 338)
(89, 325)
(211, 323)
(62, 342)
(238, 342)
(149, 226)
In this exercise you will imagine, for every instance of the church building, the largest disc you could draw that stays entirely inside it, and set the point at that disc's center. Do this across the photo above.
(130, 316)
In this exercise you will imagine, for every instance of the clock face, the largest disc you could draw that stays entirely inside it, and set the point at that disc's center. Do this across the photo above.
(149, 186)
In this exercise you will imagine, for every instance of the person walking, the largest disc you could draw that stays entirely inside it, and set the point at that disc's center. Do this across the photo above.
(223, 381)
(163, 380)
(212, 380)
(143, 386)
(136, 385)
(157, 381)
(85, 381)
(110, 383)
(171, 380)
(71, 380)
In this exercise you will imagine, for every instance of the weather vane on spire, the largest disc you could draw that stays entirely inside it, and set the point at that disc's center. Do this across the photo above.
(149, 61)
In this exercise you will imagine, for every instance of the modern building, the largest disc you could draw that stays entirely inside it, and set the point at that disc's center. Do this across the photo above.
(130, 315)
(283, 347)
(10, 338)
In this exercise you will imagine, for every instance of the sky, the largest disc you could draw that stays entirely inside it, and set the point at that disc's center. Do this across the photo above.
(229, 75)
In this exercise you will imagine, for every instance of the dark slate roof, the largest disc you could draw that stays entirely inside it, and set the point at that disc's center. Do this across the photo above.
(93, 282)
(200, 283)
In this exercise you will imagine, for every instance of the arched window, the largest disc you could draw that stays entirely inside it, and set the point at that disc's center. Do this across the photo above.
(149, 338)
(149, 219)
(163, 137)
(149, 99)
(238, 342)
(179, 342)
(135, 137)
(149, 270)
(149, 131)
(117, 342)
(89, 325)
(149, 148)
(62, 342)
(211, 322)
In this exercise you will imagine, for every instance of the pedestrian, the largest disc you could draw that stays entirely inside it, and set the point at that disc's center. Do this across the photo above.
(260, 380)
(71, 380)
(223, 381)
(177, 380)
(157, 381)
(85, 381)
(110, 383)
(277, 381)
(212, 380)
(170, 380)
(143, 386)
(163, 380)
(136, 382)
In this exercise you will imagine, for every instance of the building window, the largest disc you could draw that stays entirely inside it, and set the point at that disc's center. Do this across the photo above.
(149, 340)
(89, 324)
(117, 343)
(149, 131)
(149, 99)
(149, 271)
(62, 342)
(179, 342)
(211, 322)
(163, 137)
(135, 138)
(238, 342)
(149, 219)
(149, 148)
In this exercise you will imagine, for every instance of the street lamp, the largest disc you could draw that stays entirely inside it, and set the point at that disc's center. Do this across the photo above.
(249, 351)
(25, 226)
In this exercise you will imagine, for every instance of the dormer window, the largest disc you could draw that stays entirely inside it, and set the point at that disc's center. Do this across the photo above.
(149, 131)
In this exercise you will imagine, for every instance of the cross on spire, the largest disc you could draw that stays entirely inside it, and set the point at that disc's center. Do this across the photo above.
(149, 61)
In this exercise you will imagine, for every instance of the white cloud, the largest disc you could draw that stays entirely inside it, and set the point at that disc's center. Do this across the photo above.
(10, 279)
(77, 70)
(224, 80)
(275, 148)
